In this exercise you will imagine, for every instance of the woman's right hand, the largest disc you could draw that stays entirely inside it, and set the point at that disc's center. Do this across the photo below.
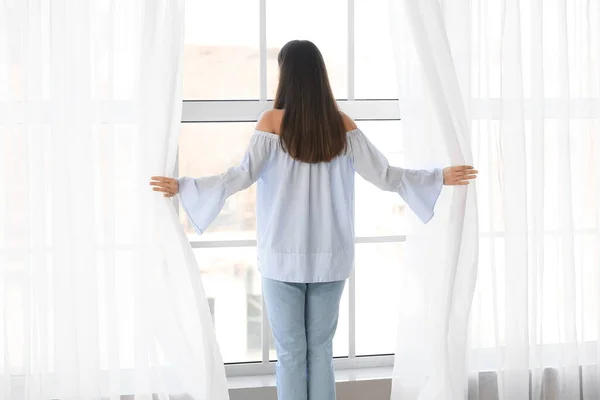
(168, 186)
(459, 175)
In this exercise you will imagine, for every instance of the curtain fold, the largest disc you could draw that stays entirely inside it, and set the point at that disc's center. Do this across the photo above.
(100, 293)
(527, 74)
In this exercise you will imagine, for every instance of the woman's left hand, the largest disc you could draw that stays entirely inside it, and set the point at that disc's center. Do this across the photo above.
(169, 186)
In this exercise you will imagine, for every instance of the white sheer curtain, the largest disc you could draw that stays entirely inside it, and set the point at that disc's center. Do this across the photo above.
(100, 295)
(528, 73)
(439, 274)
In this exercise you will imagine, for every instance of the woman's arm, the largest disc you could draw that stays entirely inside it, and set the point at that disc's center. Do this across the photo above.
(267, 121)
(419, 188)
(203, 198)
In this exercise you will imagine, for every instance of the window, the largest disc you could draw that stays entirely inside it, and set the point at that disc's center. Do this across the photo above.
(230, 76)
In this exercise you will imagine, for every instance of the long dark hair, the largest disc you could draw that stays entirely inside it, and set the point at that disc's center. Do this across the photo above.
(312, 129)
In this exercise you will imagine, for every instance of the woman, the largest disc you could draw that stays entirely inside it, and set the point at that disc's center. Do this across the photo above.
(304, 154)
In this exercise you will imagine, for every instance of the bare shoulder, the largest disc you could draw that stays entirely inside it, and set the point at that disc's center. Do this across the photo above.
(270, 121)
(349, 123)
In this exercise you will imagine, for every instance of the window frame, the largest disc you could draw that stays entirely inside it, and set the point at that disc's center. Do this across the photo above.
(206, 111)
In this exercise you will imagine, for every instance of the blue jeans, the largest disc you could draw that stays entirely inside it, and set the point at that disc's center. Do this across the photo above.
(303, 319)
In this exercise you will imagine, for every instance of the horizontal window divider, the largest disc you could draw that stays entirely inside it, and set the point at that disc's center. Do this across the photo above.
(28, 250)
(200, 244)
(550, 108)
(196, 111)
(380, 239)
(545, 232)
(41, 112)
(223, 243)
(224, 121)
(250, 110)
(386, 109)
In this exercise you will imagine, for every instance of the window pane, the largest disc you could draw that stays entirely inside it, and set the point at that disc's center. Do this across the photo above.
(221, 58)
(209, 149)
(377, 275)
(381, 213)
(325, 23)
(232, 285)
(375, 67)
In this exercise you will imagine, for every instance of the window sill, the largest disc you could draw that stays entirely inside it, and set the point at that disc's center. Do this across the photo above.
(348, 375)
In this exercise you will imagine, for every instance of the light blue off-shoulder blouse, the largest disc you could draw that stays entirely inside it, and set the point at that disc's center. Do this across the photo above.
(305, 212)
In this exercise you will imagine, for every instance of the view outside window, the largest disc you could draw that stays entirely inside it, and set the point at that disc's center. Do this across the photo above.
(375, 67)
(325, 23)
(221, 50)
(222, 55)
